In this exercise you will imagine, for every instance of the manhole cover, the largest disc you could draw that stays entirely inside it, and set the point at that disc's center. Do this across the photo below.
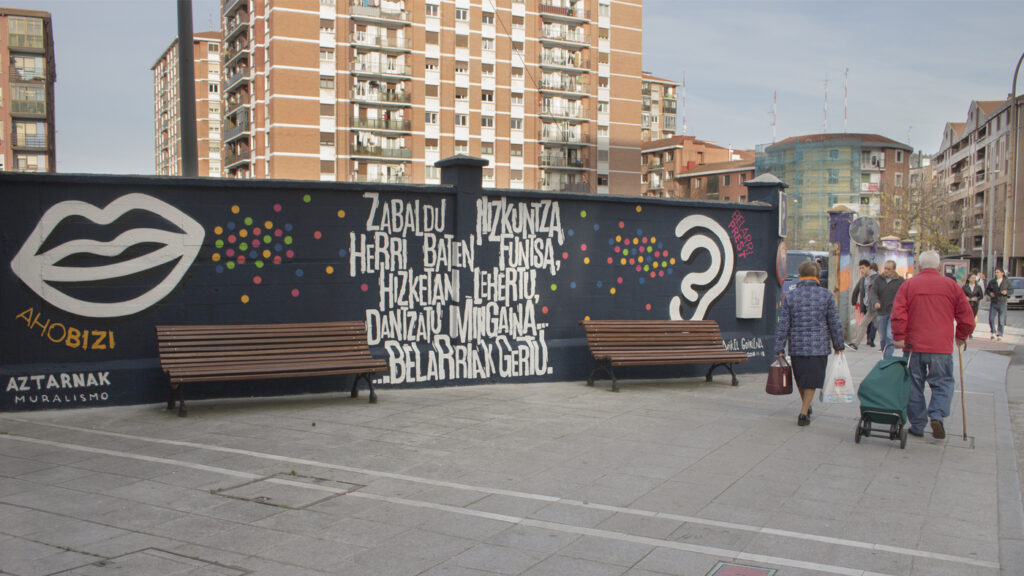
(727, 569)
(289, 490)
(154, 561)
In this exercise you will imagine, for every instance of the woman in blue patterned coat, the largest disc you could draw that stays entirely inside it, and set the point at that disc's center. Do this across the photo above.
(809, 322)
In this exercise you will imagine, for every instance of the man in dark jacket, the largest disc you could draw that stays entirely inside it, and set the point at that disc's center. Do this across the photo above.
(885, 288)
(859, 299)
(998, 290)
(923, 314)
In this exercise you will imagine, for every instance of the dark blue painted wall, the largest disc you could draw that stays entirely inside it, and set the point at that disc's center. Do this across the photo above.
(457, 287)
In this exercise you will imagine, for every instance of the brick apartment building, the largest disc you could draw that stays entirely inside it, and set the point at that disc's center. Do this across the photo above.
(166, 116)
(658, 111)
(27, 74)
(548, 91)
(666, 162)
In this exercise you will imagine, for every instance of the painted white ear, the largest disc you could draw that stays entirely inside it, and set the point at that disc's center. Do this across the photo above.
(38, 270)
(713, 238)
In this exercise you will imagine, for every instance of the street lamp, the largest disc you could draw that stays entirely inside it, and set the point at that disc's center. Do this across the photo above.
(1010, 228)
(913, 236)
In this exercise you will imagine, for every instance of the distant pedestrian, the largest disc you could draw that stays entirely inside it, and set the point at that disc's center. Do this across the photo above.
(923, 317)
(885, 288)
(998, 290)
(974, 292)
(809, 323)
(863, 300)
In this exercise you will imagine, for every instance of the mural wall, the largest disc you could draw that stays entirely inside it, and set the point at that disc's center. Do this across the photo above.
(456, 286)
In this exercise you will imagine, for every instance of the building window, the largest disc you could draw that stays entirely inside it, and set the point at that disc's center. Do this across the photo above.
(326, 83)
(602, 179)
(726, 179)
(431, 118)
(833, 154)
(326, 55)
(488, 19)
(833, 176)
(327, 138)
(486, 122)
(979, 241)
(327, 166)
(899, 156)
(432, 10)
(487, 149)
(487, 44)
(487, 96)
(516, 123)
(461, 120)
(462, 14)
(899, 179)
(517, 99)
(462, 147)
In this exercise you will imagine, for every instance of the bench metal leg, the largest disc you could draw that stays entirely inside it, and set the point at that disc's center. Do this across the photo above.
(728, 366)
(179, 389)
(368, 376)
(605, 367)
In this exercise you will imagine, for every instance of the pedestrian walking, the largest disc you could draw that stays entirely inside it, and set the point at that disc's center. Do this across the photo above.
(974, 292)
(809, 324)
(998, 290)
(885, 288)
(923, 317)
(862, 298)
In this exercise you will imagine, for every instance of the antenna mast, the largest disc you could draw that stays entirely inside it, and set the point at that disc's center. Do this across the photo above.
(684, 103)
(824, 126)
(775, 103)
(846, 81)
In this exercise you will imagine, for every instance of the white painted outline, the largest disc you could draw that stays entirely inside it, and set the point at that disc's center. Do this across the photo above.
(37, 270)
(722, 265)
(738, 555)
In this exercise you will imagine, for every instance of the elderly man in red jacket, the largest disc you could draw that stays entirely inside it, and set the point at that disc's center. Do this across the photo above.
(923, 316)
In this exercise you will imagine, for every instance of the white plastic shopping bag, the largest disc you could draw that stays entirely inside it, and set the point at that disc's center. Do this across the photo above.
(839, 387)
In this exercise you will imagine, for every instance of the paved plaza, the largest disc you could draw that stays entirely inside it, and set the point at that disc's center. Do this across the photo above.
(665, 477)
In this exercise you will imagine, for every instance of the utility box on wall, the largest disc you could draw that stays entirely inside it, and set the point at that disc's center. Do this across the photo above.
(750, 293)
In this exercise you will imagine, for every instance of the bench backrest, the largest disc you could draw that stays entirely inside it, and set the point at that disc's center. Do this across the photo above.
(238, 342)
(610, 334)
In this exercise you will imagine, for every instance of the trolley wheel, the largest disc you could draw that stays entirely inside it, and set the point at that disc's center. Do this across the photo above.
(903, 438)
(857, 434)
(893, 432)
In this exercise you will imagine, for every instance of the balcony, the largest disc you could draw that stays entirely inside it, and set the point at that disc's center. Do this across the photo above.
(234, 159)
(551, 12)
(549, 35)
(572, 187)
(380, 178)
(235, 79)
(564, 113)
(234, 132)
(29, 76)
(232, 5)
(370, 69)
(380, 152)
(358, 11)
(231, 55)
(558, 162)
(240, 23)
(561, 137)
(237, 105)
(377, 124)
(378, 42)
(33, 108)
(552, 61)
(564, 85)
(26, 42)
(384, 98)
(23, 141)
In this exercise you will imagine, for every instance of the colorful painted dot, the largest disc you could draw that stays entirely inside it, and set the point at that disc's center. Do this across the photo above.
(611, 290)
(288, 227)
(639, 258)
(597, 227)
(220, 269)
(639, 232)
(622, 224)
(586, 259)
(625, 252)
(640, 280)
(626, 242)
(647, 268)
(278, 247)
(231, 225)
(653, 239)
(219, 243)
(256, 231)
(243, 246)
(583, 213)
(364, 287)
(570, 232)
(288, 240)
(638, 267)
(654, 264)
(268, 238)
(599, 283)
(583, 247)
(253, 254)
(653, 274)
(299, 272)
(329, 269)
(544, 310)
(295, 292)
(277, 259)
(341, 213)
(672, 261)
(268, 224)
(218, 230)
(245, 298)
(230, 265)
(648, 307)
(342, 253)
(255, 243)
(618, 280)
(610, 260)
(572, 284)
(231, 238)
(240, 259)
(243, 233)
(650, 249)
(632, 261)
(565, 255)
(618, 249)
(229, 253)
(277, 208)
(661, 273)
(611, 241)
(258, 263)
(278, 233)
(587, 318)
(317, 235)
(215, 257)
(554, 287)
(266, 253)
(639, 209)
(622, 262)
(290, 254)
(235, 209)
(248, 220)
(257, 280)
(306, 198)
(636, 240)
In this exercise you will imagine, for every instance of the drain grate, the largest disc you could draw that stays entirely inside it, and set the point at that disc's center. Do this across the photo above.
(288, 490)
(727, 569)
(154, 561)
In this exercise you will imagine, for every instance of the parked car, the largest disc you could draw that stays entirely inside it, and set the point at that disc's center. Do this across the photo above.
(794, 258)
(1017, 299)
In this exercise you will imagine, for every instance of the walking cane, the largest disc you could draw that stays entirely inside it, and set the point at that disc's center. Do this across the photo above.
(963, 401)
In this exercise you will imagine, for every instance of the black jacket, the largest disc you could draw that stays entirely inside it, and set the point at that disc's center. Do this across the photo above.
(976, 292)
(994, 288)
(885, 293)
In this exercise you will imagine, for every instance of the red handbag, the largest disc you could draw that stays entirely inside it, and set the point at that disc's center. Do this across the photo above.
(780, 378)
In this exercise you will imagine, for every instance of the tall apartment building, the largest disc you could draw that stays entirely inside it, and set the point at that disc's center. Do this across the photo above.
(866, 173)
(665, 161)
(166, 115)
(378, 90)
(973, 167)
(658, 108)
(27, 74)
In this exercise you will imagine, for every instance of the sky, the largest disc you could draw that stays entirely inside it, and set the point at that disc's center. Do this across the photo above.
(913, 65)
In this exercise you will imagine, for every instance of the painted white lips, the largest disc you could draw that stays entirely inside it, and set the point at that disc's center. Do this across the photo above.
(38, 270)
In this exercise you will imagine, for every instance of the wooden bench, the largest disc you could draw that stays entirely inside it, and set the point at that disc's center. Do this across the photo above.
(265, 351)
(657, 342)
